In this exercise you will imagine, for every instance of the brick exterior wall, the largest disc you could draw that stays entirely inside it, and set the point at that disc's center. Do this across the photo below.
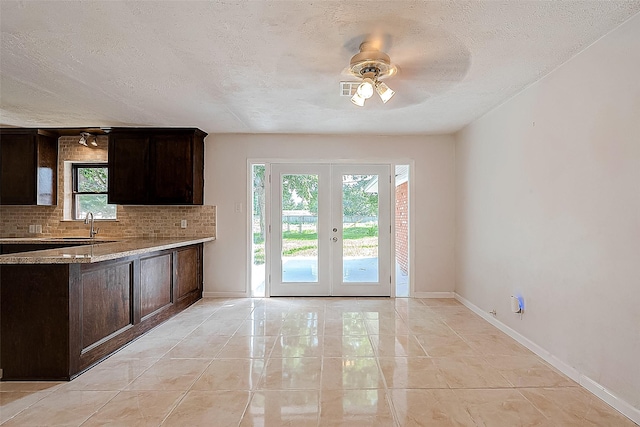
(132, 221)
(402, 226)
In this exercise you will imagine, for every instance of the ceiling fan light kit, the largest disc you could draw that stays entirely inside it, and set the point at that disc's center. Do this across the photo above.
(358, 100)
(365, 90)
(384, 91)
(371, 66)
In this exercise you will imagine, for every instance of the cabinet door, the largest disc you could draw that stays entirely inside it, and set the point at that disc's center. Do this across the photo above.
(128, 176)
(105, 299)
(188, 270)
(172, 168)
(155, 283)
(29, 168)
(18, 173)
(156, 166)
(47, 170)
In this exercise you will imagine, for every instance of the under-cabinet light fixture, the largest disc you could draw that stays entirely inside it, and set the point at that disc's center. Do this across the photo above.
(86, 138)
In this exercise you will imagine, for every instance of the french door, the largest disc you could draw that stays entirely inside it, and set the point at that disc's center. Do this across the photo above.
(331, 230)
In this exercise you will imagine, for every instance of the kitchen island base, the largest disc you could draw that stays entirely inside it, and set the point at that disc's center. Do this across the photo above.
(57, 320)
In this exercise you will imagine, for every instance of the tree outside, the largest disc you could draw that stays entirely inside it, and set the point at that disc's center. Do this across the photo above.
(300, 200)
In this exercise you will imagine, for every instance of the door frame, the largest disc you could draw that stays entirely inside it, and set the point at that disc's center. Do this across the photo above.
(267, 161)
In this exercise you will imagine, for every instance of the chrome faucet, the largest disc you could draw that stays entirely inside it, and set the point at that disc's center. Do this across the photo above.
(89, 220)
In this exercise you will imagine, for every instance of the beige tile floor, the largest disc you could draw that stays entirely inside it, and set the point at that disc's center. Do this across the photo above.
(315, 361)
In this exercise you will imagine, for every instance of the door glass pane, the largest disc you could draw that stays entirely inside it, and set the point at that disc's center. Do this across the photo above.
(402, 230)
(359, 228)
(259, 231)
(300, 228)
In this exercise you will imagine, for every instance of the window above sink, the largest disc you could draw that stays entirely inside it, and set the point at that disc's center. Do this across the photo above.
(90, 190)
(85, 186)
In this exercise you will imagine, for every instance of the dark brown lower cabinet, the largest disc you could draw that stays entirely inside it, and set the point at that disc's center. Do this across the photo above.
(58, 320)
(155, 283)
(188, 271)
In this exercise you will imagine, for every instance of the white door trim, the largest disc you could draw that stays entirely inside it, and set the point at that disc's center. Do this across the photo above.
(267, 161)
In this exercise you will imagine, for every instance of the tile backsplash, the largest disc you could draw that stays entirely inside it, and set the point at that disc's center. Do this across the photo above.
(132, 221)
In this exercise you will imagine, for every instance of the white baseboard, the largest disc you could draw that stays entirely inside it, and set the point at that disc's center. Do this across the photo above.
(610, 398)
(225, 295)
(217, 294)
(548, 357)
(433, 295)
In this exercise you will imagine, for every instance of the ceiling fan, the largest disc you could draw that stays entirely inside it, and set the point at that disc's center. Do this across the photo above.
(372, 66)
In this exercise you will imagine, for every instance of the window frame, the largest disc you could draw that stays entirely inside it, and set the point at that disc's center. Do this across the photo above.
(74, 187)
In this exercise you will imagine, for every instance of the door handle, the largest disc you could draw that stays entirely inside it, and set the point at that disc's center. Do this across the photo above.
(335, 239)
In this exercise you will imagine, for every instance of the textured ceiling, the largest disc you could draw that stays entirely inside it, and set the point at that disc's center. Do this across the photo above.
(275, 66)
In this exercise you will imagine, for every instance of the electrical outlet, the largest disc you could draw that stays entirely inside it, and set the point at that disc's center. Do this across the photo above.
(32, 228)
(183, 223)
(238, 207)
(38, 228)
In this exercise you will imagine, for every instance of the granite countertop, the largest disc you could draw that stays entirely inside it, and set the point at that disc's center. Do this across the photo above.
(65, 239)
(88, 251)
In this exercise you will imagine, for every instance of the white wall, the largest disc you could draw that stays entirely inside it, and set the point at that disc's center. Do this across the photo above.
(548, 204)
(226, 184)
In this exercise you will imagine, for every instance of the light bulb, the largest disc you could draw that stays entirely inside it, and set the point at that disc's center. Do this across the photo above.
(365, 90)
(358, 100)
(384, 91)
(83, 140)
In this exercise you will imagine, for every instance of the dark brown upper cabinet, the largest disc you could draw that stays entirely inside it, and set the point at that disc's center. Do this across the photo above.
(28, 167)
(156, 166)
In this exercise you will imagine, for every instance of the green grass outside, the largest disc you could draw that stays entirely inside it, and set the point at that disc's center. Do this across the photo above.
(350, 233)
(294, 251)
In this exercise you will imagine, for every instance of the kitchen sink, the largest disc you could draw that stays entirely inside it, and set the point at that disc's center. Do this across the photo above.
(76, 238)
(82, 239)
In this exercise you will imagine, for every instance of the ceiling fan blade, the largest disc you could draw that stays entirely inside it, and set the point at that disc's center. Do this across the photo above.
(452, 57)
(347, 73)
(378, 39)
(406, 96)
(429, 72)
